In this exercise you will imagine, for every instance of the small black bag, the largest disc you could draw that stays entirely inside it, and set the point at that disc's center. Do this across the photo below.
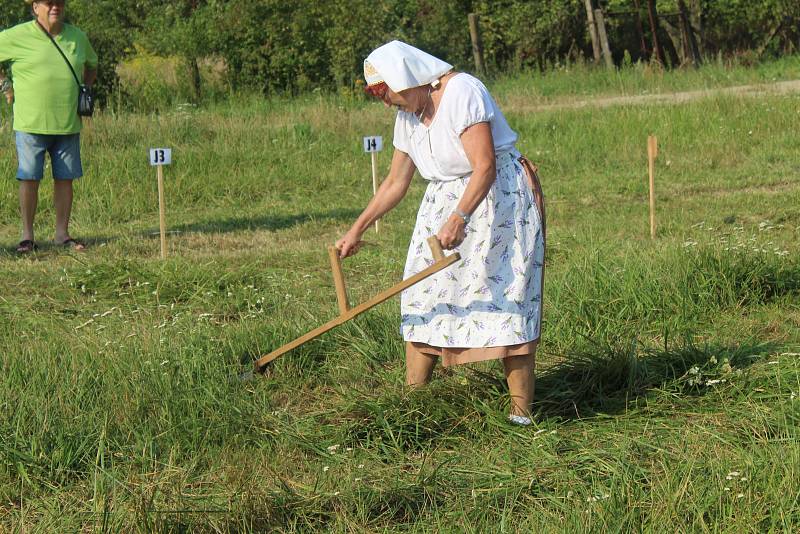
(85, 96)
(85, 101)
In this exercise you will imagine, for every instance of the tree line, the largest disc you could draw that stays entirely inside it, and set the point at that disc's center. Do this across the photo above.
(298, 45)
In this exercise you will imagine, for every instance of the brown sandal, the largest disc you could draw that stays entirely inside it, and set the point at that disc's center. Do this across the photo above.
(27, 246)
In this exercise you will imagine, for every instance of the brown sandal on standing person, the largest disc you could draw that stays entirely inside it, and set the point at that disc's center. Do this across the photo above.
(482, 200)
(45, 98)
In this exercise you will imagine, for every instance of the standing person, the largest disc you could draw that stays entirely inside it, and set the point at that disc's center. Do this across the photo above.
(483, 199)
(45, 97)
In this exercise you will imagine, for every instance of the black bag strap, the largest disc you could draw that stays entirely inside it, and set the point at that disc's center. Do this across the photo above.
(62, 54)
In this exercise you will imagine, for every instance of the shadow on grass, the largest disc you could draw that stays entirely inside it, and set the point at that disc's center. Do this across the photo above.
(603, 380)
(606, 379)
(265, 222)
(48, 249)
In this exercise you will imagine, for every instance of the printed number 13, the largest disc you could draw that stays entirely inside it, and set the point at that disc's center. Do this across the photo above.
(160, 156)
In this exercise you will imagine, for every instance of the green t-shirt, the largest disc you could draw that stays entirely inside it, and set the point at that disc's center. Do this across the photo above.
(45, 92)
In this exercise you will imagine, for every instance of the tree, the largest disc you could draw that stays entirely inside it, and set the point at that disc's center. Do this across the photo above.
(182, 28)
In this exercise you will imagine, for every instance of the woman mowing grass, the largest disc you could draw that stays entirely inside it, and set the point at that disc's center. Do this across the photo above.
(483, 199)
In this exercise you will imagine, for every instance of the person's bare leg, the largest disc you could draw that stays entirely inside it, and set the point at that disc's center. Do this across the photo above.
(28, 200)
(520, 376)
(419, 366)
(62, 197)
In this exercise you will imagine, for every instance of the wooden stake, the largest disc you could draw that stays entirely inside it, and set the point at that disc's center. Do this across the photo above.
(436, 248)
(374, 157)
(652, 153)
(162, 217)
(338, 279)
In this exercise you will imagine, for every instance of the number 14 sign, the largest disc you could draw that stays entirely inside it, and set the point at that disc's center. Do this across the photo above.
(373, 144)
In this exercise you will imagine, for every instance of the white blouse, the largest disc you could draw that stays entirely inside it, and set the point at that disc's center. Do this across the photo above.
(436, 150)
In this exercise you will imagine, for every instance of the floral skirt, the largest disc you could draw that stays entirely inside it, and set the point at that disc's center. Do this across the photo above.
(493, 296)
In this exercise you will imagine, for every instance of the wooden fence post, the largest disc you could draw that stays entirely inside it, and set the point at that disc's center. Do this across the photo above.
(653, 16)
(601, 32)
(592, 30)
(477, 45)
(694, 50)
(640, 28)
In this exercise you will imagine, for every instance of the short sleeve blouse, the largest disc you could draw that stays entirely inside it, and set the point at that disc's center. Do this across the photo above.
(436, 150)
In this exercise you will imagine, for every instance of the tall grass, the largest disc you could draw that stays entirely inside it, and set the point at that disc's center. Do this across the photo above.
(668, 376)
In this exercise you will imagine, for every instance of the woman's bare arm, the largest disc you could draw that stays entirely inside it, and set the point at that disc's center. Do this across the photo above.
(479, 147)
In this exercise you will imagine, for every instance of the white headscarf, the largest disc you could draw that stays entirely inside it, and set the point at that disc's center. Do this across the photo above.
(402, 66)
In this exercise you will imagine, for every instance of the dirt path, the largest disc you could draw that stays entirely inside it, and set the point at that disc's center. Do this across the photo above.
(777, 88)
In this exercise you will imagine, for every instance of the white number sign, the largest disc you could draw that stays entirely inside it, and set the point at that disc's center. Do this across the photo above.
(160, 156)
(373, 144)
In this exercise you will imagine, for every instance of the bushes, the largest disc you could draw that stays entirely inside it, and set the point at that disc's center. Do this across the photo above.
(274, 45)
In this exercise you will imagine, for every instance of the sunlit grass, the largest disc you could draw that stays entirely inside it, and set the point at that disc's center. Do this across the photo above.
(668, 376)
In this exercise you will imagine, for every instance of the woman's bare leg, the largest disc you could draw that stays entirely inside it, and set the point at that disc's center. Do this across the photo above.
(419, 366)
(521, 379)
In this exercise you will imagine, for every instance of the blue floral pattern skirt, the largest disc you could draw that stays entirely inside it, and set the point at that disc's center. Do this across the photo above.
(493, 296)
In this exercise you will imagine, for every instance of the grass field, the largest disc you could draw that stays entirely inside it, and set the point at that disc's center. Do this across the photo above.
(668, 381)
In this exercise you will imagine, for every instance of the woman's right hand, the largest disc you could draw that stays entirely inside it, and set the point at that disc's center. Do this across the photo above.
(349, 244)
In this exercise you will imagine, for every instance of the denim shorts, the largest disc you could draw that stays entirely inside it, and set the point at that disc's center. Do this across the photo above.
(64, 150)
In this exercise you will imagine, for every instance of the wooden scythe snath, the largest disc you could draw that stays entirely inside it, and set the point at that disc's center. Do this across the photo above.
(345, 312)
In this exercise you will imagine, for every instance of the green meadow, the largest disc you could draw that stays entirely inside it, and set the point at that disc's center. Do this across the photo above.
(668, 378)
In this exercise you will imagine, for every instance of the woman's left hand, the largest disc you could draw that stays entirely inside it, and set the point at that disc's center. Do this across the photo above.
(452, 232)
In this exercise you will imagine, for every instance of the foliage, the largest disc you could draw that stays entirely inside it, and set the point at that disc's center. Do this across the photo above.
(274, 45)
(530, 34)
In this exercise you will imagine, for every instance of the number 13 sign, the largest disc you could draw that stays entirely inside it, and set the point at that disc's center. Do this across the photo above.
(160, 156)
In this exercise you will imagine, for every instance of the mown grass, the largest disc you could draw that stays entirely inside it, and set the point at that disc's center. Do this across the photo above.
(668, 382)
